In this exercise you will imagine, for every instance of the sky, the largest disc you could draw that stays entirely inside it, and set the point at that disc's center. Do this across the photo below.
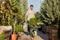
(36, 3)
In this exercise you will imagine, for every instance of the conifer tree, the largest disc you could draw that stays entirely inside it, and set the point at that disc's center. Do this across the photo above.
(10, 9)
(50, 11)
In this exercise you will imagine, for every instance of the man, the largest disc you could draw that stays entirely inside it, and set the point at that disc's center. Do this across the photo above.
(30, 14)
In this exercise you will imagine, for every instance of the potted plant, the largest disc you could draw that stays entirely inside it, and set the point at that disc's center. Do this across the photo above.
(33, 24)
(14, 35)
(19, 30)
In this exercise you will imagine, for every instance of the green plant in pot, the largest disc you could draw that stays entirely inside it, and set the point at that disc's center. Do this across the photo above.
(19, 29)
(14, 35)
(16, 29)
(33, 24)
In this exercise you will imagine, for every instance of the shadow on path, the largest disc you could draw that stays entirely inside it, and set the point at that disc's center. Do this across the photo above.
(43, 35)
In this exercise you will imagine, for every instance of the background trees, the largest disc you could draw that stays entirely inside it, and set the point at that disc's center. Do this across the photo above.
(5, 12)
(23, 5)
(10, 9)
(49, 11)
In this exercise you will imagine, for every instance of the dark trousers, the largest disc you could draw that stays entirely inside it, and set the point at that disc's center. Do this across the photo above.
(30, 29)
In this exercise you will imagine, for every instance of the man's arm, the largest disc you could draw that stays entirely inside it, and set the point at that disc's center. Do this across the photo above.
(26, 15)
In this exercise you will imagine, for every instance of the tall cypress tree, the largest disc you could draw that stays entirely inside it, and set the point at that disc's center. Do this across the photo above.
(23, 6)
(9, 9)
(20, 6)
(5, 8)
(49, 11)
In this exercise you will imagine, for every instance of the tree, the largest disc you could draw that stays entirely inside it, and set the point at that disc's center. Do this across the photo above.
(23, 6)
(5, 9)
(10, 9)
(50, 11)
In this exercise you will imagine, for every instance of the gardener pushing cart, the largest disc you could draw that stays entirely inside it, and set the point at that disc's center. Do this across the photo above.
(30, 14)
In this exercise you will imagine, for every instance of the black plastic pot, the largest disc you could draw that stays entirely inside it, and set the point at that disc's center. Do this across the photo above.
(53, 33)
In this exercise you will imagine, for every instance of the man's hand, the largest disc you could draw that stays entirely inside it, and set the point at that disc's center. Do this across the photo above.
(26, 18)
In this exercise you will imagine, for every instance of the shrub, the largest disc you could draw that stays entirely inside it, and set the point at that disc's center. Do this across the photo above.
(2, 36)
(33, 21)
(18, 28)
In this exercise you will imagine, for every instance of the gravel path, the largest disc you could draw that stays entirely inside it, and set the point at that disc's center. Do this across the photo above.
(28, 37)
(43, 35)
(40, 36)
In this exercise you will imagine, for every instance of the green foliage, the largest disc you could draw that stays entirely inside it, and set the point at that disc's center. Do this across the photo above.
(2, 36)
(5, 12)
(33, 21)
(18, 10)
(38, 18)
(17, 15)
(10, 9)
(40, 23)
(50, 10)
(18, 28)
(23, 6)
(15, 6)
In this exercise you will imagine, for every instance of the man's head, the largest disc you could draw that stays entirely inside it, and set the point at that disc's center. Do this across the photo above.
(31, 7)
